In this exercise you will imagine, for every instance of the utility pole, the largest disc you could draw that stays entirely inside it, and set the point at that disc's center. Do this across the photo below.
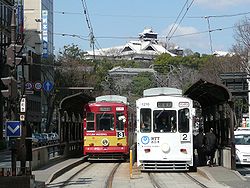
(248, 82)
(14, 58)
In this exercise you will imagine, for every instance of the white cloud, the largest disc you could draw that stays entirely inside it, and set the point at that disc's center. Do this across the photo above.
(221, 3)
(187, 37)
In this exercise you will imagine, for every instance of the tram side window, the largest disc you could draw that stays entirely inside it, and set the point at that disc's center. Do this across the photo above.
(104, 122)
(183, 120)
(120, 120)
(90, 121)
(145, 120)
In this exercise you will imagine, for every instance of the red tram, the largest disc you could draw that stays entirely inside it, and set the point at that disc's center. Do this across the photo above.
(109, 128)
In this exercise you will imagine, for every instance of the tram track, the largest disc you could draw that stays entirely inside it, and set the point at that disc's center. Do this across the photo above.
(74, 179)
(67, 181)
(195, 180)
(153, 180)
(108, 183)
(158, 184)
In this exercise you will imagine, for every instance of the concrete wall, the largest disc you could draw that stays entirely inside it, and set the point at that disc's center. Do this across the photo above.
(40, 157)
(43, 155)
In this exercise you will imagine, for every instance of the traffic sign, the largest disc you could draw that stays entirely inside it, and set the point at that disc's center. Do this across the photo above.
(38, 86)
(29, 85)
(13, 128)
(47, 86)
(22, 117)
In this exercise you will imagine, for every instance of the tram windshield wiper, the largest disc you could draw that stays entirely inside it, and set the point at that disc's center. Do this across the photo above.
(160, 113)
(102, 115)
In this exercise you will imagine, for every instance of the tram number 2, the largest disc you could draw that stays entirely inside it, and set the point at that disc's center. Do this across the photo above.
(185, 137)
(120, 134)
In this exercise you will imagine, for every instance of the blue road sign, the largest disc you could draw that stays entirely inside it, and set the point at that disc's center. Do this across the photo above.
(47, 86)
(13, 128)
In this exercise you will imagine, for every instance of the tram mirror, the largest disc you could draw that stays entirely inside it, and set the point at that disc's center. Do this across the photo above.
(122, 118)
(193, 112)
(187, 114)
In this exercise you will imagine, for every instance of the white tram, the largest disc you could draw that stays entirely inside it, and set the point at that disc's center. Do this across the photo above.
(164, 130)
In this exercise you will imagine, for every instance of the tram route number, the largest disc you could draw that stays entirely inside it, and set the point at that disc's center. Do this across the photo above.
(120, 134)
(185, 137)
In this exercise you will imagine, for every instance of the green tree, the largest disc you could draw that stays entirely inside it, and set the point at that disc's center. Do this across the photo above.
(141, 82)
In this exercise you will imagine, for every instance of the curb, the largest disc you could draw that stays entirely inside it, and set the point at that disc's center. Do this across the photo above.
(205, 174)
(64, 169)
(239, 175)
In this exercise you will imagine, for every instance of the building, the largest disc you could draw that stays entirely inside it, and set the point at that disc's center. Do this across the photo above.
(38, 25)
(146, 48)
(38, 29)
(5, 39)
(223, 53)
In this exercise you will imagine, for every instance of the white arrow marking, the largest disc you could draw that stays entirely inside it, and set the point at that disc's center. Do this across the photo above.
(13, 130)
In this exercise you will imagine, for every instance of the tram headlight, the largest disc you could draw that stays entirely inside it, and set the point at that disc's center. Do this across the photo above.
(105, 142)
(165, 147)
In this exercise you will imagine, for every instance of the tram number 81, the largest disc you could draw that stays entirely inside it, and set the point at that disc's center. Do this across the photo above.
(120, 134)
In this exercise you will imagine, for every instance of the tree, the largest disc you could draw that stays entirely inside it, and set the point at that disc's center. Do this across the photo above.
(141, 82)
(242, 38)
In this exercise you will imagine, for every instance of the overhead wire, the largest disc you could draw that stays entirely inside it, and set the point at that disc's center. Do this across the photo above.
(172, 29)
(177, 19)
(181, 20)
(91, 32)
(146, 16)
(134, 37)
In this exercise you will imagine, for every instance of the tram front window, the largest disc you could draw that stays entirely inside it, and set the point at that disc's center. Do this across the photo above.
(183, 119)
(104, 122)
(164, 121)
(120, 120)
(145, 120)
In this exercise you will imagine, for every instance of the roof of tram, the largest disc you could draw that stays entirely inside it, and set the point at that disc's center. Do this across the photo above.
(207, 93)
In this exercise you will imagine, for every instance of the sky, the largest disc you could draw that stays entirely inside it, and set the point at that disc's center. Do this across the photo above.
(116, 22)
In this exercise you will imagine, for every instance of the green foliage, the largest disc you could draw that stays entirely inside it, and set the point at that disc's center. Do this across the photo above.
(141, 82)
(71, 52)
(163, 61)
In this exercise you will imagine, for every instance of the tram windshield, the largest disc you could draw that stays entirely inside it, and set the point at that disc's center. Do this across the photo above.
(145, 119)
(120, 120)
(183, 120)
(164, 120)
(104, 121)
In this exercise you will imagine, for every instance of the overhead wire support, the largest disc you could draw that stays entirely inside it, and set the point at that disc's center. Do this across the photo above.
(209, 32)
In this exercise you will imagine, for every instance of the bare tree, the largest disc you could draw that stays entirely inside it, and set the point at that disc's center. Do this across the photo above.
(242, 38)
